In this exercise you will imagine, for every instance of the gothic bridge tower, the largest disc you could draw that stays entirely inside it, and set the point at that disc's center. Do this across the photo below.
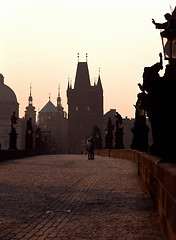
(85, 108)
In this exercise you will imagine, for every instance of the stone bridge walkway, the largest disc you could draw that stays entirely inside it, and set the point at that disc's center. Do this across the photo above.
(59, 197)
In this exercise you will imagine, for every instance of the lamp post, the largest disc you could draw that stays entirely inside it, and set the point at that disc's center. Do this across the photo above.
(168, 37)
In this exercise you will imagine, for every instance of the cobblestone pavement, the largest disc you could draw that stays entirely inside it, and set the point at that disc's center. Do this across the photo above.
(69, 197)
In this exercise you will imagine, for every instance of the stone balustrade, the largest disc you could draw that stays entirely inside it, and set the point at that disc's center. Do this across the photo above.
(159, 180)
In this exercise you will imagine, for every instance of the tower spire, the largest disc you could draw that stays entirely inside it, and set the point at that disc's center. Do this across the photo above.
(30, 88)
(86, 57)
(59, 91)
(78, 57)
(99, 84)
(30, 95)
(59, 104)
(30, 109)
(59, 97)
(68, 86)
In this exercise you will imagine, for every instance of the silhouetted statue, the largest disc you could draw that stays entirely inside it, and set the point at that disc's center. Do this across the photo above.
(164, 25)
(169, 32)
(13, 134)
(119, 132)
(109, 135)
(140, 129)
(158, 96)
(157, 106)
(38, 140)
(96, 135)
(169, 26)
(151, 76)
(13, 121)
(153, 99)
(29, 135)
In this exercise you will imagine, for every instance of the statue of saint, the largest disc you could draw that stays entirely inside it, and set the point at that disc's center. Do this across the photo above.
(119, 132)
(13, 134)
(13, 121)
(164, 25)
(109, 135)
(169, 26)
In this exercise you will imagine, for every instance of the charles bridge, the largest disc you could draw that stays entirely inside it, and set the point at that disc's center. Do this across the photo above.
(122, 194)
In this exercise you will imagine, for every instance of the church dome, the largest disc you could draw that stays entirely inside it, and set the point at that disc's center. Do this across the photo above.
(6, 93)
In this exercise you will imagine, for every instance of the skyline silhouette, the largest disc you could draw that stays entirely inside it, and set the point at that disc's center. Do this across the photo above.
(40, 42)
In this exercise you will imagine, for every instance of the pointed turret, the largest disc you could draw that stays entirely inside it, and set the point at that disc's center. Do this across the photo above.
(82, 80)
(59, 104)
(68, 86)
(30, 109)
(99, 84)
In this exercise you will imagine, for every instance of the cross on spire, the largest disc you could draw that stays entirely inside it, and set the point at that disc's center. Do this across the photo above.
(30, 95)
(59, 97)
(59, 90)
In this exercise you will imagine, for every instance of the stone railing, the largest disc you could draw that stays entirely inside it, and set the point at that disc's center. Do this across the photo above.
(159, 181)
(15, 154)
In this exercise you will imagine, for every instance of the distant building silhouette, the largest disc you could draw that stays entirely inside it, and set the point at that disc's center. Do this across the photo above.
(85, 108)
(8, 105)
(54, 132)
(53, 123)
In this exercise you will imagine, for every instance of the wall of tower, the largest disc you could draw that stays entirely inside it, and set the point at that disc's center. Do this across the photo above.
(31, 113)
(85, 110)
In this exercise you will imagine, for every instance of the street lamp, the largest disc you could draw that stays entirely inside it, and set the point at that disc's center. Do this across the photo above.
(169, 43)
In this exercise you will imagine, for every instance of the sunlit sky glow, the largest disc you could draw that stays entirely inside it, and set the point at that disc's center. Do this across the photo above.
(40, 39)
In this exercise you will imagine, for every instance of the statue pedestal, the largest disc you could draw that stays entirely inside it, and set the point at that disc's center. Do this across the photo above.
(13, 139)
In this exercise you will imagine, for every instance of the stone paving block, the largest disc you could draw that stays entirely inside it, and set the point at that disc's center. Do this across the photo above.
(59, 197)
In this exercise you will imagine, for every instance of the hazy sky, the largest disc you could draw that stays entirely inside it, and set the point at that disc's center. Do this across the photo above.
(40, 39)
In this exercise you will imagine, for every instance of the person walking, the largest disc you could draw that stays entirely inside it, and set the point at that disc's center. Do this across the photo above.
(90, 148)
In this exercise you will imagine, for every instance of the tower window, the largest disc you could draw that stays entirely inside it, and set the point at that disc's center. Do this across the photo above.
(88, 108)
(76, 108)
